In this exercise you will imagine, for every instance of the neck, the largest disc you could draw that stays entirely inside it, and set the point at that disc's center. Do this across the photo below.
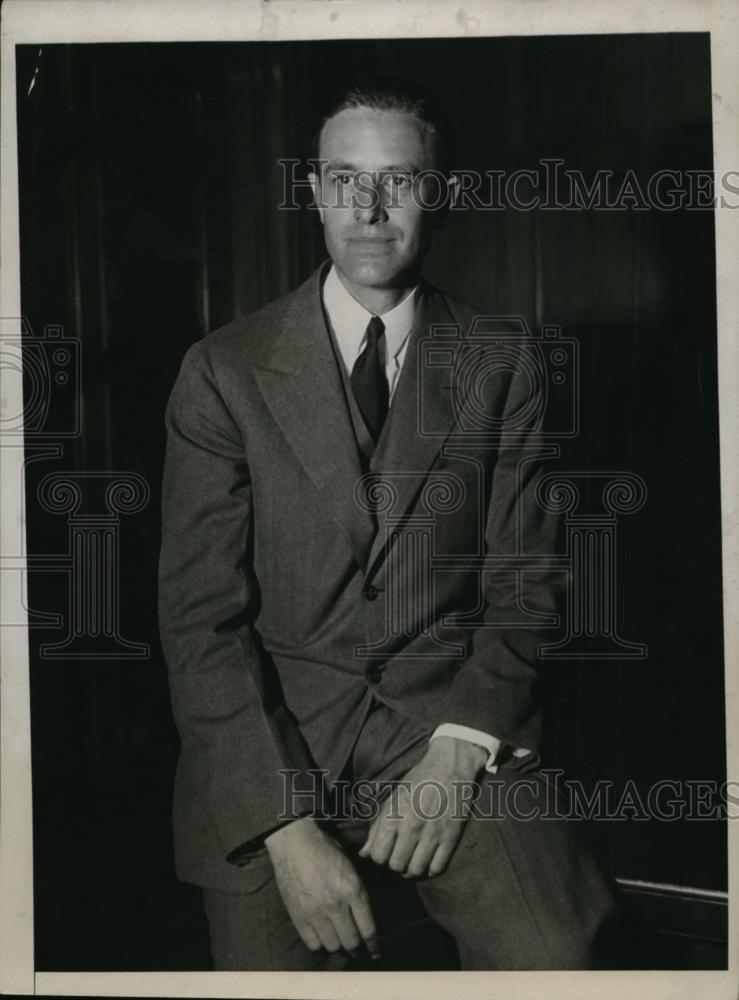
(378, 300)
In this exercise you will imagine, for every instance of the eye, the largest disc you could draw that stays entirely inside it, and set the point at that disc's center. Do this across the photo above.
(398, 180)
(342, 177)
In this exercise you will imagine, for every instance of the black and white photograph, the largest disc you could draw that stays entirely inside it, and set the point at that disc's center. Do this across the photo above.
(368, 439)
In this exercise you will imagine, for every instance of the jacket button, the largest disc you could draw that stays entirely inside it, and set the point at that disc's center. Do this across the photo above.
(374, 675)
(370, 593)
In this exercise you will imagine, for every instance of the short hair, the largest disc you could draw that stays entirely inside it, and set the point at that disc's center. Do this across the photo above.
(389, 93)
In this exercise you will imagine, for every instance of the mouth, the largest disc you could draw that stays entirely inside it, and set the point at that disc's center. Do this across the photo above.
(371, 243)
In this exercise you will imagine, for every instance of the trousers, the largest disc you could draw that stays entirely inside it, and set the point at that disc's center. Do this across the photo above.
(520, 892)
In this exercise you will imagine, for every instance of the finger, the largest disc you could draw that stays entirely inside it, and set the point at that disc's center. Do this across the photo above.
(384, 805)
(367, 845)
(375, 826)
(404, 847)
(324, 928)
(382, 843)
(309, 938)
(440, 859)
(346, 931)
(421, 858)
(362, 913)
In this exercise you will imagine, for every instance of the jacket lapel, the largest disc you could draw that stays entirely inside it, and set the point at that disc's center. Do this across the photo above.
(421, 416)
(303, 388)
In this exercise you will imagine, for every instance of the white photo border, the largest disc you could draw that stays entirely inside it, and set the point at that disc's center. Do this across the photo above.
(80, 21)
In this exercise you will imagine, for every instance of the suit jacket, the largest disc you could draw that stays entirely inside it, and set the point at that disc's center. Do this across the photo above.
(289, 591)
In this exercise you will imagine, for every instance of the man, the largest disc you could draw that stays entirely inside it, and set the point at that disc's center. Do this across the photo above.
(316, 449)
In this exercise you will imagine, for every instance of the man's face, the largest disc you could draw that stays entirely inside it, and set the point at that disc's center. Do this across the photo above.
(376, 231)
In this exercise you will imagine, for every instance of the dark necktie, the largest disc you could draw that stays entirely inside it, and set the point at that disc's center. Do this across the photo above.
(369, 382)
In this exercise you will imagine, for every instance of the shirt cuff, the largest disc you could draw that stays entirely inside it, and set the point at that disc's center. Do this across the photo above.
(490, 743)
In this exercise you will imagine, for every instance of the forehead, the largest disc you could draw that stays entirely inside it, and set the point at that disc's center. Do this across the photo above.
(373, 139)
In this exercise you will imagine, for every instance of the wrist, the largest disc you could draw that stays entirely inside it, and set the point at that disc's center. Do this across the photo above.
(289, 832)
(465, 757)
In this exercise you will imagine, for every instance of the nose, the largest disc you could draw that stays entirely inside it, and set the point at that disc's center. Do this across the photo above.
(370, 200)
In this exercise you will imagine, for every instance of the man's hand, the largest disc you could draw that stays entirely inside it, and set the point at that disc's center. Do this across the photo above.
(321, 890)
(419, 824)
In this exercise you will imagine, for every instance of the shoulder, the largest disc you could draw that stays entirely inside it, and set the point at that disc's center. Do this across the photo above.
(251, 336)
(439, 302)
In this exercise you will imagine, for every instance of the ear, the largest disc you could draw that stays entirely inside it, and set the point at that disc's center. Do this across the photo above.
(452, 194)
(455, 185)
(315, 185)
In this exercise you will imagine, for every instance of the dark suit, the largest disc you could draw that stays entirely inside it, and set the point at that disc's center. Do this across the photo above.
(287, 606)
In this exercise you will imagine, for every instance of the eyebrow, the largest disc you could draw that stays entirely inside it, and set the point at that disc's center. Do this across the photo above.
(406, 168)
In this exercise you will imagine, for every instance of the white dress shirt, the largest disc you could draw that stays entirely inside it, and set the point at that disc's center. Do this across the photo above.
(349, 320)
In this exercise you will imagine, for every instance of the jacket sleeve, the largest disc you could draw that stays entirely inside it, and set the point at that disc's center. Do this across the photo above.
(229, 722)
(496, 689)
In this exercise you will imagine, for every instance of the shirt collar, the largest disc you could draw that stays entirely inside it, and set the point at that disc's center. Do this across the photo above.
(349, 318)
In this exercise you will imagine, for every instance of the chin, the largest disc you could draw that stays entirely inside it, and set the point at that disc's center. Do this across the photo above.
(373, 274)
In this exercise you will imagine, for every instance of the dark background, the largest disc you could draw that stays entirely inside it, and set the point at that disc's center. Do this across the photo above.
(149, 187)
